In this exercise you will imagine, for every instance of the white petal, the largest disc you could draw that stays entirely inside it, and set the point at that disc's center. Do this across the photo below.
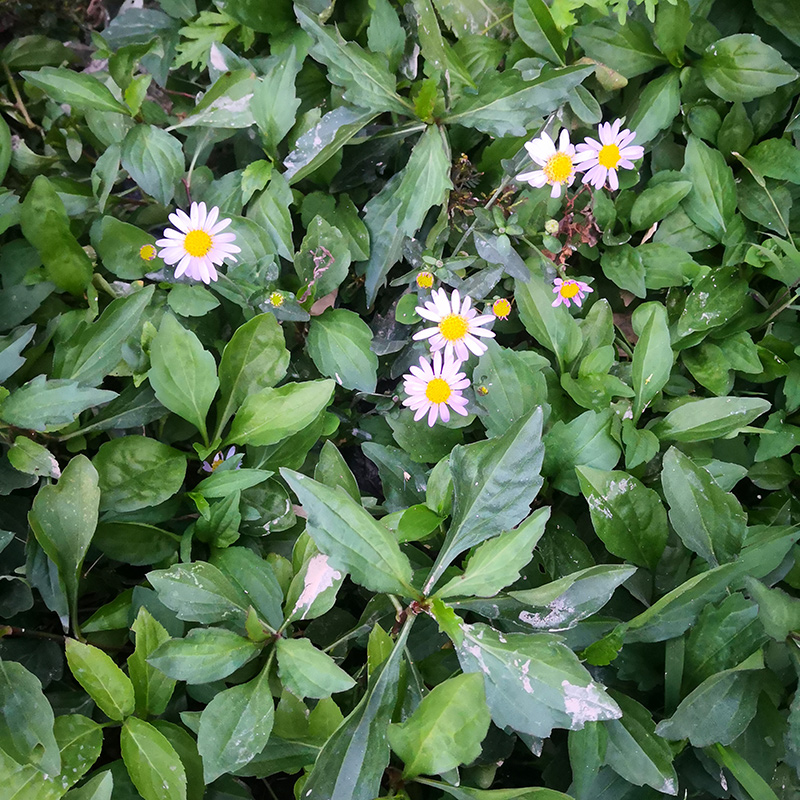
(220, 226)
(212, 217)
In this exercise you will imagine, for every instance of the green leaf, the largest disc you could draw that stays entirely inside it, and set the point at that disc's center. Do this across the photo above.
(63, 519)
(98, 788)
(363, 76)
(495, 482)
(134, 542)
(339, 345)
(152, 688)
(633, 750)
(712, 202)
(308, 672)
(779, 612)
(720, 708)
(741, 67)
(775, 158)
(12, 346)
(97, 348)
(778, 13)
(45, 224)
(199, 592)
(352, 539)
(351, 764)
(228, 103)
(497, 563)
(709, 521)
(154, 159)
(333, 471)
(750, 780)
(659, 104)
(652, 356)
(78, 89)
(623, 265)
(275, 101)
(466, 793)
(191, 301)
(204, 655)
(563, 603)
(270, 210)
(222, 484)
(715, 299)
(323, 259)
(272, 415)
(507, 105)
(535, 26)
(26, 719)
(102, 679)
(28, 456)
(152, 763)
(628, 49)
(182, 373)
(627, 516)
(118, 244)
(445, 730)
(533, 682)
(138, 472)
(654, 203)
(313, 590)
(710, 418)
(235, 726)
(673, 23)
(255, 358)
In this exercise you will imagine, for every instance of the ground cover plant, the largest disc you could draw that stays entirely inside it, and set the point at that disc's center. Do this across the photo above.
(399, 400)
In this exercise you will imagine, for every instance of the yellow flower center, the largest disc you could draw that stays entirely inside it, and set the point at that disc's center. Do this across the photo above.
(197, 243)
(276, 299)
(438, 390)
(147, 252)
(569, 289)
(501, 308)
(558, 168)
(216, 462)
(453, 327)
(609, 156)
(425, 280)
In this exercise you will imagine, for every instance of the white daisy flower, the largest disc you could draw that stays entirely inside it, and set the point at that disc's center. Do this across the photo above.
(434, 389)
(457, 325)
(198, 244)
(601, 160)
(570, 290)
(557, 164)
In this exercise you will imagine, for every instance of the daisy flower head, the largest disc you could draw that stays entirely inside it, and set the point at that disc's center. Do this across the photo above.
(147, 252)
(276, 299)
(435, 388)
(425, 280)
(457, 325)
(599, 161)
(219, 459)
(198, 244)
(570, 290)
(557, 163)
(501, 308)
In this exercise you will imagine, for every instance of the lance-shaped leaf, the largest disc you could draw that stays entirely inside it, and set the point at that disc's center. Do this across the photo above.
(103, 680)
(710, 418)
(720, 708)
(562, 604)
(626, 515)
(235, 726)
(363, 76)
(467, 793)
(182, 373)
(497, 563)
(534, 682)
(351, 764)
(652, 359)
(308, 672)
(494, 484)
(709, 521)
(633, 750)
(152, 688)
(313, 590)
(78, 89)
(152, 763)
(445, 730)
(351, 538)
(64, 518)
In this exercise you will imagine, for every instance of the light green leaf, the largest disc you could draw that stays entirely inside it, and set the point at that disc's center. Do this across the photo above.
(275, 100)
(710, 418)
(712, 202)
(272, 415)
(497, 563)
(30, 457)
(182, 373)
(118, 244)
(78, 89)
(102, 679)
(535, 26)
(627, 49)
(313, 590)
(445, 730)
(228, 103)
(308, 672)
(652, 356)
(659, 104)
(12, 345)
(654, 203)
(235, 726)
(351, 538)
(626, 515)
(779, 612)
(339, 344)
(154, 159)
(495, 482)
(152, 763)
(152, 688)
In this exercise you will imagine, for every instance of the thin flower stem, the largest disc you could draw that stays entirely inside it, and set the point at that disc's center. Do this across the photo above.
(18, 97)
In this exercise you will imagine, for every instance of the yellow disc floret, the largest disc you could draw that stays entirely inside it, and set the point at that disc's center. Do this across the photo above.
(501, 308)
(197, 243)
(147, 252)
(425, 280)
(276, 299)
(558, 168)
(569, 289)
(609, 156)
(438, 390)
(454, 327)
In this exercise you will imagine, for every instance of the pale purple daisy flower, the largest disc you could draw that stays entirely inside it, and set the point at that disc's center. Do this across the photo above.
(198, 244)
(557, 163)
(457, 325)
(434, 389)
(220, 459)
(601, 160)
(570, 290)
